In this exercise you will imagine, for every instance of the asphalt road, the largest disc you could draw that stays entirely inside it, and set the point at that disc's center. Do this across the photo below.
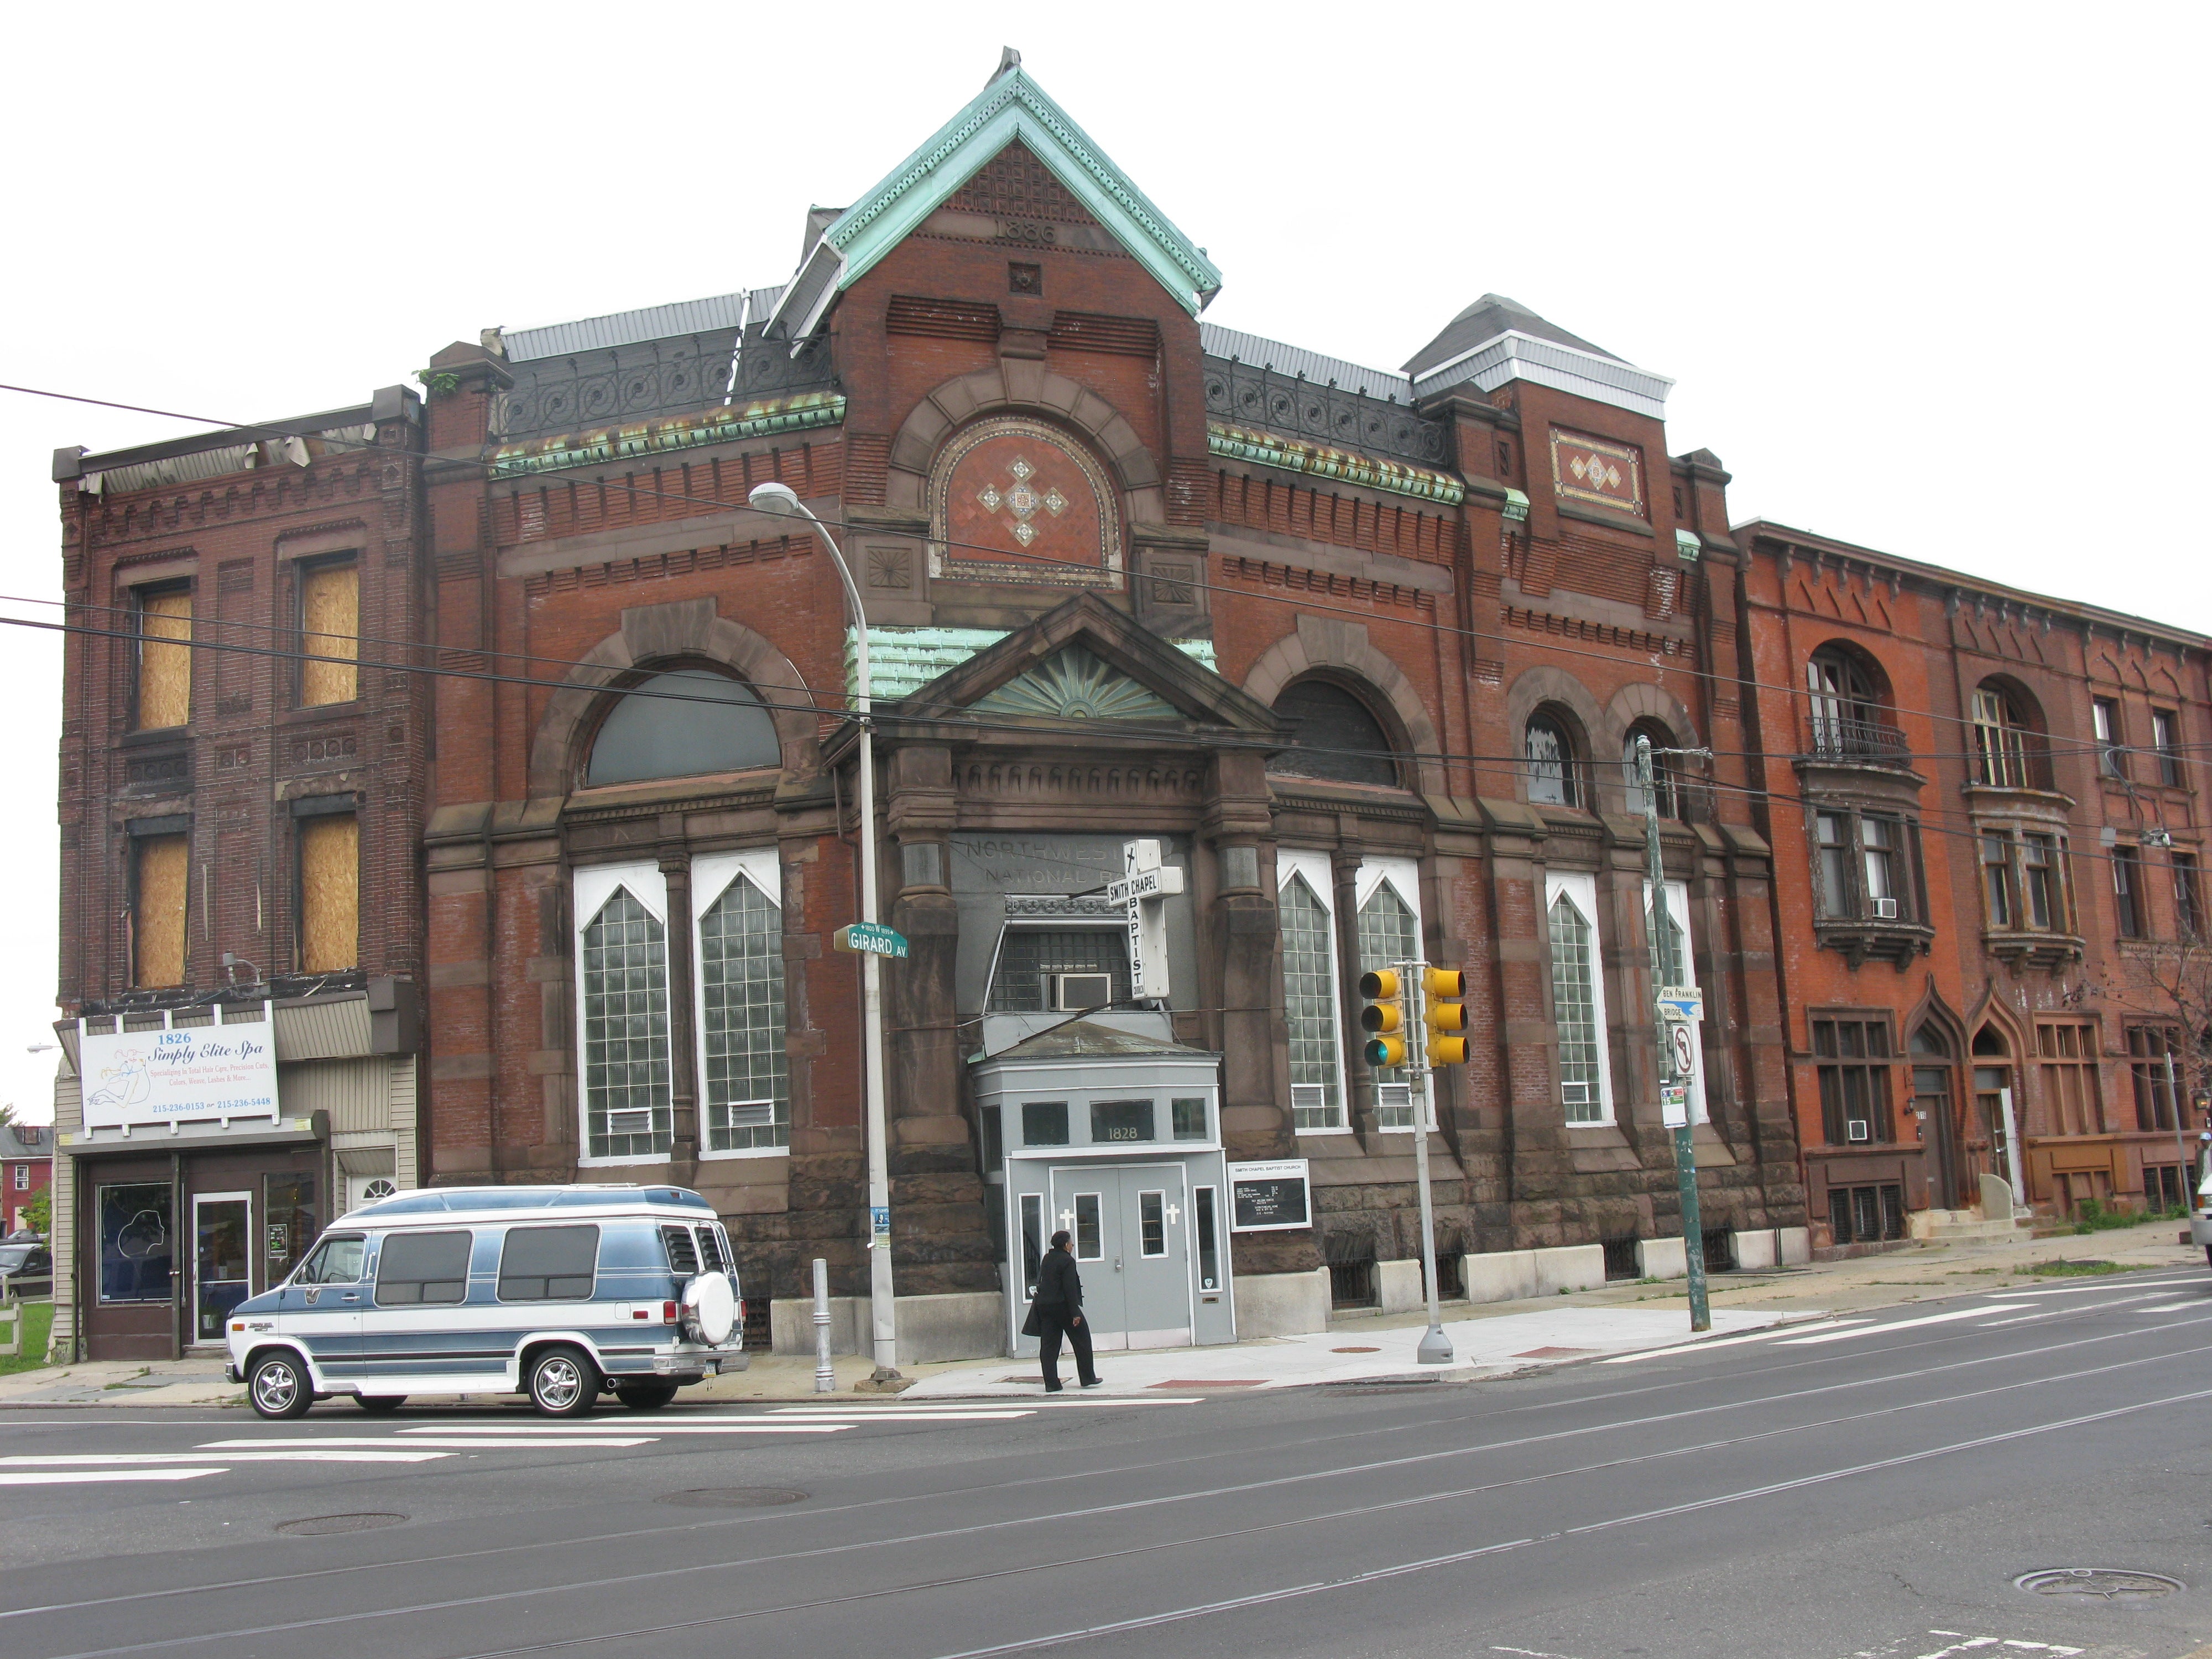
(1868, 1488)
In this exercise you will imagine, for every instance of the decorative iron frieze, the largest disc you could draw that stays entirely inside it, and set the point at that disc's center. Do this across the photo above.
(1252, 395)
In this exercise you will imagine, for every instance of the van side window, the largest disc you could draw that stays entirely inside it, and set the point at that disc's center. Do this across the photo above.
(416, 1268)
(336, 1262)
(548, 1264)
(710, 1252)
(683, 1254)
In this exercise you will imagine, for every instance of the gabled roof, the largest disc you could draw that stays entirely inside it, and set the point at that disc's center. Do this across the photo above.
(1079, 636)
(1011, 106)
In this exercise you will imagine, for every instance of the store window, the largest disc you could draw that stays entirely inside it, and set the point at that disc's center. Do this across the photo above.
(2066, 1051)
(164, 696)
(1309, 1004)
(137, 1242)
(330, 632)
(288, 1221)
(1578, 998)
(1852, 1056)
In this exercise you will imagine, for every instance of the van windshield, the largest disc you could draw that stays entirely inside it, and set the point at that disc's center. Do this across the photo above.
(336, 1260)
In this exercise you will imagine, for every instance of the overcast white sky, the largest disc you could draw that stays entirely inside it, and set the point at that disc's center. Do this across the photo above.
(1928, 278)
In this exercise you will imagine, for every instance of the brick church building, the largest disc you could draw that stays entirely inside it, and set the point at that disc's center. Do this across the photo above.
(544, 887)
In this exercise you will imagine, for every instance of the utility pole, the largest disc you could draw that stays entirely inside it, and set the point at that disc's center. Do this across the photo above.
(1674, 1083)
(1436, 1347)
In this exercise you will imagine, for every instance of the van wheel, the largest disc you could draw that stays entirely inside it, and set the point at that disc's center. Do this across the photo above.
(645, 1396)
(278, 1386)
(563, 1382)
(380, 1404)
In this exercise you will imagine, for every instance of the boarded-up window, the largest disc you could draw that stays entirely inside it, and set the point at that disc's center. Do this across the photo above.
(158, 884)
(329, 893)
(164, 666)
(329, 626)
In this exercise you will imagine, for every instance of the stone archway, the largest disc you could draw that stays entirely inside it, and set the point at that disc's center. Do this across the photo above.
(1020, 384)
(1637, 700)
(661, 632)
(1323, 644)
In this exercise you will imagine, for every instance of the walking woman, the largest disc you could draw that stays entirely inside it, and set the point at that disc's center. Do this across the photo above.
(1057, 1310)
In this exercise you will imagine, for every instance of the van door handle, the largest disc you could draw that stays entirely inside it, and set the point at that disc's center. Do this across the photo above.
(1117, 1264)
(350, 1295)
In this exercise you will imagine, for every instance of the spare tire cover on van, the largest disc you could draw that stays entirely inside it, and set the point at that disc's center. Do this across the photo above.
(710, 1307)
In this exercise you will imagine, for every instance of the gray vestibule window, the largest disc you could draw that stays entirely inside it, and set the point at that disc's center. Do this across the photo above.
(681, 724)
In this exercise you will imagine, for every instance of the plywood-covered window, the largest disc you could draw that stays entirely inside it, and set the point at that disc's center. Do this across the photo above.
(165, 658)
(330, 632)
(329, 893)
(160, 879)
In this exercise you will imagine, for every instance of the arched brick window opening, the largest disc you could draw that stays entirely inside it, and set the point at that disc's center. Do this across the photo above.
(682, 723)
(1334, 735)
(1552, 759)
(1667, 781)
(2010, 752)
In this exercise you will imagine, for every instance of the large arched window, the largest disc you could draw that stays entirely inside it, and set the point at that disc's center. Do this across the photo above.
(1665, 786)
(1334, 735)
(2006, 749)
(1551, 759)
(680, 724)
(1845, 705)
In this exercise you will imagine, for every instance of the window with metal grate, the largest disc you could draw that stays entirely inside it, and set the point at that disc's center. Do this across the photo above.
(1352, 1285)
(1720, 1250)
(1619, 1258)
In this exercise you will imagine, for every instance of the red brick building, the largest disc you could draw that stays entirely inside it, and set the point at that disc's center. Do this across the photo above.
(507, 694)
(1988, 882)
(244, 748)
(1126, 574)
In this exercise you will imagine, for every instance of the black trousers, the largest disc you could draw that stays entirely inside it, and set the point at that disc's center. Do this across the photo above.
(1078, 1338)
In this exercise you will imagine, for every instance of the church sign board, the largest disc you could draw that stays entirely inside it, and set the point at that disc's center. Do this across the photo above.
(1269, 1197)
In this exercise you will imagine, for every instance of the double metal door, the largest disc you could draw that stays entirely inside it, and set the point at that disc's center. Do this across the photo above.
(1132, 1227)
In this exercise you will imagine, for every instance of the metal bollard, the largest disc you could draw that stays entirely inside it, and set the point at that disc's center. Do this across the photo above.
(825, 1375)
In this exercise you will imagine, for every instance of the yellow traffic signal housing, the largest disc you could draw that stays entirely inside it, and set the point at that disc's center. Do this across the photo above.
(1385, 1017)
(1443, 1015)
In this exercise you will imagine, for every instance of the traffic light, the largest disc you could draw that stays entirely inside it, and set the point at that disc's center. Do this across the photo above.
(1383, 1018)
(1444, 1015)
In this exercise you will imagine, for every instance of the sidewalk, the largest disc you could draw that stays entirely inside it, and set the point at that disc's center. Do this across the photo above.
(1495, 1340)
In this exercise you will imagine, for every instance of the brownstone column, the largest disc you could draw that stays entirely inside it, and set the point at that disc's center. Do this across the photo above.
(682, 1027)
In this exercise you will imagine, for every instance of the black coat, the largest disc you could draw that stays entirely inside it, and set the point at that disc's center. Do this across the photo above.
(1060, 1287)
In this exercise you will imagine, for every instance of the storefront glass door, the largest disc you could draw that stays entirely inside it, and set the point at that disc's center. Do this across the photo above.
(222, 1274)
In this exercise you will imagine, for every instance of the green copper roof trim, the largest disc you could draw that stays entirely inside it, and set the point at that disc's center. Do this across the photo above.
(1014, 107)
(715, 426)
(901, 661)
(1319, 461)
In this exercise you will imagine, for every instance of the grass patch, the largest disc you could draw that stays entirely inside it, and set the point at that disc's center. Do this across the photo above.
(2091, 1216)
(2077, 1269)
(38, 1319)
(1957, 1272)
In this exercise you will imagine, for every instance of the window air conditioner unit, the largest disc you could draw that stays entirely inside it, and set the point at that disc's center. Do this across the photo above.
(1885, 910)
(1856, 1129)
(1074, 992)
(748, 1115)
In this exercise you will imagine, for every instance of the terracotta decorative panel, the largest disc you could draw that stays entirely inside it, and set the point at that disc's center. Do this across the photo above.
(1597, 470)
(1013, 500)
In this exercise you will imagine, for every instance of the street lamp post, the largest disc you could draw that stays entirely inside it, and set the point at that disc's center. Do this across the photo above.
(780, 500)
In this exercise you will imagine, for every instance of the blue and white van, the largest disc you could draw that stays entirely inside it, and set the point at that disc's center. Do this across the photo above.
(560, 1293)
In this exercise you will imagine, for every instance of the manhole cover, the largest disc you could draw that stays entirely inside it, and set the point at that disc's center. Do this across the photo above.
(2106, 1584)
(732, 1498)
(317, 1526)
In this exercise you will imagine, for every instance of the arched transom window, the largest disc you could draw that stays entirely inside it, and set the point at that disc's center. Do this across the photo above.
(681, 724)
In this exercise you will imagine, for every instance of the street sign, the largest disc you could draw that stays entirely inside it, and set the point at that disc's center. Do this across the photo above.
(1682, 1002)
(1142, 893)
(872, 937)
(1684, 1044)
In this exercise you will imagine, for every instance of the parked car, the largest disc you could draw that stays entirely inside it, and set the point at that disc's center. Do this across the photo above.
(27, 1267)
(558, 1293)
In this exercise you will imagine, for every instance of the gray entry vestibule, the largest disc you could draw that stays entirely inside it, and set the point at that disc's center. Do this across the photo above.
(1107, 1128)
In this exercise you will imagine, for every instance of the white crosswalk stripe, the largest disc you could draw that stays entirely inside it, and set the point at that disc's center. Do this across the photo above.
(89, 1477)
(61, 1460)
(469, 1442)
(1908, 1324)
